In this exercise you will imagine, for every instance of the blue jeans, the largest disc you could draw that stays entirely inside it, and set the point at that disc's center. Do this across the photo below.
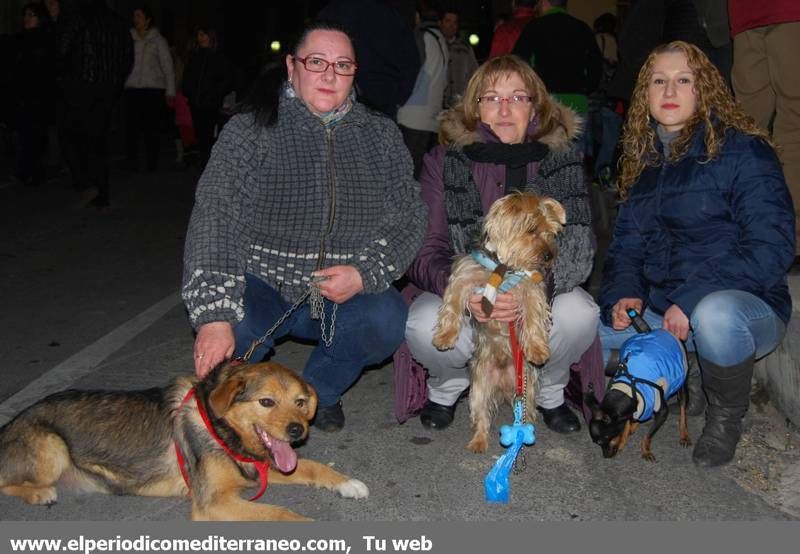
(368, 329)
(726, 328)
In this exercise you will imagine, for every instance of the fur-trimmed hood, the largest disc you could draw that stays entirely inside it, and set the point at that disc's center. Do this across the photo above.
(452, 127)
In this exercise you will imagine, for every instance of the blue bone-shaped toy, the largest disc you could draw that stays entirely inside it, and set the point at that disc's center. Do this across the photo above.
(512, 437)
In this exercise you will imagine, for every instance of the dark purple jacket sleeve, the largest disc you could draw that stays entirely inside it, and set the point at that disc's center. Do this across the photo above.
(431, 268)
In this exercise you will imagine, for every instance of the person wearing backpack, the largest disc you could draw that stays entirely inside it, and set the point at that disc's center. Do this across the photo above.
(417, 118)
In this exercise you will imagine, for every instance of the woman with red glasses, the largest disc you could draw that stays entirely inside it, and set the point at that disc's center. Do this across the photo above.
(307, 209)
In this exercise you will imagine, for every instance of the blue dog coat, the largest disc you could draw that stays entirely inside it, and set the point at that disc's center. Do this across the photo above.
(657, 357)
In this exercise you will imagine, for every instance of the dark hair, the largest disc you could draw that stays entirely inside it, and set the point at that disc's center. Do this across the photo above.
(38, 9)
(319, 25)
(148, 13)
(558, 3)
(212, 36)
(606, 23)
(263, 96)
(429, 9)
(527, 3)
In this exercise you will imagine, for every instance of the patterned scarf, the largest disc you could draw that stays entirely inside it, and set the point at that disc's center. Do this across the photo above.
(328, 119)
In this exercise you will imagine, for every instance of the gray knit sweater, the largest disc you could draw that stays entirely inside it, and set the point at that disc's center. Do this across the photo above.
(273, 199)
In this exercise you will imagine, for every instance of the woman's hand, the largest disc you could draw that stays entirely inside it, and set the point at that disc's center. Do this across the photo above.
(506, 308)
(619, 313)
(676, 322)
(340, 283)
(214, 344)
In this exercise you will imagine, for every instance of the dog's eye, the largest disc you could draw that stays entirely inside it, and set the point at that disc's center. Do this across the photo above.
(300, 402)
(267, 402)
(547, 256)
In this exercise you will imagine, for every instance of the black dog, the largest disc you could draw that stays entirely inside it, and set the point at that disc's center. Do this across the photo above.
(652, 368)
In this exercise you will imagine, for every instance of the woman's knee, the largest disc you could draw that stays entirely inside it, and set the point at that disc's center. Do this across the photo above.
(422, 316)
(720, 328)
(576, 315)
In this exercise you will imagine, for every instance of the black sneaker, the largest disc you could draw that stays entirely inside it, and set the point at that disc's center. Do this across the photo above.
(329, 418)
(436, 416)
(560, 419)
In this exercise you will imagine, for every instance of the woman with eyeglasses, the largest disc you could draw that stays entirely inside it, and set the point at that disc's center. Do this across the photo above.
(315, 197)
(507, 135)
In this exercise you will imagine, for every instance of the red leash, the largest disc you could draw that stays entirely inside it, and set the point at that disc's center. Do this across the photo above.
(517, 352)
(261, 465)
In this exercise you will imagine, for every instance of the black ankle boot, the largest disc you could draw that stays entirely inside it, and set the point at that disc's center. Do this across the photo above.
(696, 403)
(728, 391)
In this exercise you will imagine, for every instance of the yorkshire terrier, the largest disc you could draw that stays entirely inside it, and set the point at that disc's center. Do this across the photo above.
(519, 238)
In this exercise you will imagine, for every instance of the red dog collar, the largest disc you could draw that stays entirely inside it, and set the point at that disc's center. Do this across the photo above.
(261, 465)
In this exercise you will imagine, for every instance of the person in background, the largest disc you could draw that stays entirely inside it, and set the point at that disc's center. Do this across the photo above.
(705, 235)
(766, 80)
(388, 61)
(563, 51)
(53, 9)
(95, 54)
(506, 33)
(206, 81)
(149, 86)
(34, 82)
(417, 118)
(462, 63)
(604, 119)
(507, 135)
(309, 209)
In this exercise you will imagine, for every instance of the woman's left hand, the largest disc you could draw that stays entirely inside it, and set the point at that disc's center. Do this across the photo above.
(676, 322)
(340, 283)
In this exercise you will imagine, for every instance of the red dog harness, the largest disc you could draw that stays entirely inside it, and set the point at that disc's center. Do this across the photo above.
(261, 465)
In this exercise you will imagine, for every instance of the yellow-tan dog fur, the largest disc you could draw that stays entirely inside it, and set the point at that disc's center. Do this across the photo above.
(123, 442)
(521, 228)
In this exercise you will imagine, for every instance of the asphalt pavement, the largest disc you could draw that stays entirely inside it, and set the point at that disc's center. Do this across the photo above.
(89, 300)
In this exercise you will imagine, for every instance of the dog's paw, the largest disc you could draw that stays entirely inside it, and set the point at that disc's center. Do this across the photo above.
(444, 340)
(686, 442)
(538, 354)
(43, 496)
(352, 489)
(478, 444)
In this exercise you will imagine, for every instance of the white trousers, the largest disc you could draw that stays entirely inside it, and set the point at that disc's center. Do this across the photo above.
(575, 320)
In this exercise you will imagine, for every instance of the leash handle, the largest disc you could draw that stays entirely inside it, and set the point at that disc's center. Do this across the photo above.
(638, 321)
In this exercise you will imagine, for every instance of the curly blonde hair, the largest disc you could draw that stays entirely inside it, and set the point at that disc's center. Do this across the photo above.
(490, 72)
(716, 108)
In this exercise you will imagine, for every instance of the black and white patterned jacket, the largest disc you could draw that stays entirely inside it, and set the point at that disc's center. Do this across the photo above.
(272, 199)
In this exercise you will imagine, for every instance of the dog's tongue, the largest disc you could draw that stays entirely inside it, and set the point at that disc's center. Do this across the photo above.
(283, 455)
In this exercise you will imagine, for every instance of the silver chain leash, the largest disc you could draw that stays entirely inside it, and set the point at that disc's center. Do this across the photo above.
(317, 304)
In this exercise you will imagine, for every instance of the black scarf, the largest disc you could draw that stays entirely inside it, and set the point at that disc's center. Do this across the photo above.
(515, 157)
(462, 200)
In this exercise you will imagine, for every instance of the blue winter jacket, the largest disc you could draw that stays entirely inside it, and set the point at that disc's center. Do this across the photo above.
(690, 228)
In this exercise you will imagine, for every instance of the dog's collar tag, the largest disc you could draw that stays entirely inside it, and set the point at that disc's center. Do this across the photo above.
(262, 466)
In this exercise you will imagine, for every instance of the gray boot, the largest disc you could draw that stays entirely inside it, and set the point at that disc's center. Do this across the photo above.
(696, 403)
(728, 391)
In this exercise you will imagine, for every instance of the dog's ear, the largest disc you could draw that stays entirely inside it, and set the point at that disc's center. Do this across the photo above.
(312, 402)
(554, 210)
(591, 402)
(224, 394)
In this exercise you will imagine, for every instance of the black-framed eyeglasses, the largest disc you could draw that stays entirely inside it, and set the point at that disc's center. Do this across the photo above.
(345, 68)
(494, 100)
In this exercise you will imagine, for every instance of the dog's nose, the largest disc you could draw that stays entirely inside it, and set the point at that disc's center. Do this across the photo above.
(294, 430)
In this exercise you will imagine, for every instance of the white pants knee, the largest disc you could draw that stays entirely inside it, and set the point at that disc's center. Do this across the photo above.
(575, 319)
